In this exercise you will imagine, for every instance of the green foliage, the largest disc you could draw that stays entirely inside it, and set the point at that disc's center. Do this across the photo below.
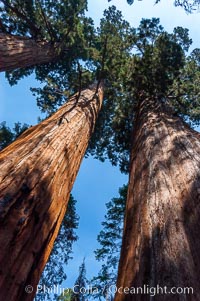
(54, 21)
(159, 59)
(67, 296)
(58, 87)
(108, 48)
(70, 74)
(75, 294)
(156, 65)
(186, 96)
(110, 239)
(61, 23)
(80, 283)
(7, 135)
(54, 272)
(117, 37)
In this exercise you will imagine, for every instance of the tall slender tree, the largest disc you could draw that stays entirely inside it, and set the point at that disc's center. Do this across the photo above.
(80, 284)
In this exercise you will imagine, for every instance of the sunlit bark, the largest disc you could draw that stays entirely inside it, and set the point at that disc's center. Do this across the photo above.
(161, 242)
(21, 52)
(37, 173)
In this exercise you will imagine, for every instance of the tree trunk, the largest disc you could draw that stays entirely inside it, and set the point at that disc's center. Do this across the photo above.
(161, 242)
(37, 173)
(21, 52)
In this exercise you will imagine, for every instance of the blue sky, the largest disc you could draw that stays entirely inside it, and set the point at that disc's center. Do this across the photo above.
(97, 182)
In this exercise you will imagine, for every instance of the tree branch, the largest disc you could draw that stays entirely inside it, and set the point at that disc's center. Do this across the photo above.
(47, 23)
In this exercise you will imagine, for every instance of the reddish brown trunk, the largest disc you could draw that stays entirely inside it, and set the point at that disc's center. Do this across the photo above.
(20, 52)
(161, 242)
(37, 173)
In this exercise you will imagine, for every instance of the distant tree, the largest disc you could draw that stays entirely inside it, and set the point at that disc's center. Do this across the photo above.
(110, 239)
(79, 291)
(55, 269)
(67, 296)
(80, 284)
(7, 135)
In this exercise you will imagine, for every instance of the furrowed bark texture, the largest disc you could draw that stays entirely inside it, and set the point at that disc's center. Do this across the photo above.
(161, 241)
(20, 52)
(37, 173)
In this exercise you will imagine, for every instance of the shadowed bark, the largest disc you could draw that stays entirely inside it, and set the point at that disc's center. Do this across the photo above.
(161, 242)
(37, 173)
(21, 52)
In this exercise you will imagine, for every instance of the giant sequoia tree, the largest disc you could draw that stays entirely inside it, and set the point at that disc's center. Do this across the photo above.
(152, 102)
(37, 174)
(33, 33)
(54, 271)
(160, 241)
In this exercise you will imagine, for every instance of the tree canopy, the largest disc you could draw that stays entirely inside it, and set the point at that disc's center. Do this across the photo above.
(134, 62)
(156, 64)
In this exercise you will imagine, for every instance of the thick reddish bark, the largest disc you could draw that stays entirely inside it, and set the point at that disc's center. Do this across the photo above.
(37, 173)
(21, 52)
(161, 242)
